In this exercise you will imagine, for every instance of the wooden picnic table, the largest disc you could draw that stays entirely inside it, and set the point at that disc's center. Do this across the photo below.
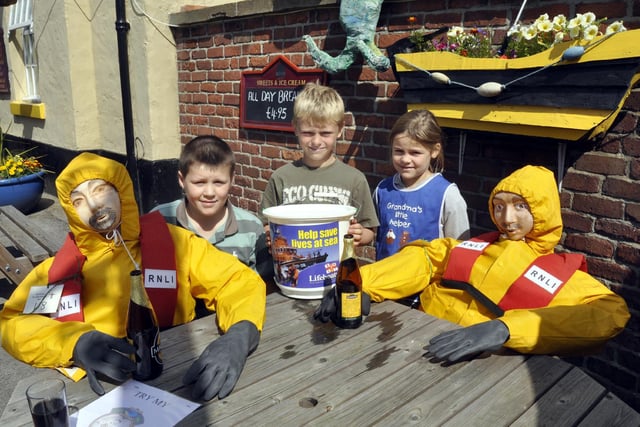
(304, 372)
(27, 244)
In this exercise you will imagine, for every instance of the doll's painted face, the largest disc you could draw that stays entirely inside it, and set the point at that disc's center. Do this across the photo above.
(97, 203)
(513, 215)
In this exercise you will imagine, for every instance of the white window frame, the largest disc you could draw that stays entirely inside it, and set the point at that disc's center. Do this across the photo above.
(21, 17)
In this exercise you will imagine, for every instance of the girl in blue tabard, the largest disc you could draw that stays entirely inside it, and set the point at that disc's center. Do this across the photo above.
(417, 203)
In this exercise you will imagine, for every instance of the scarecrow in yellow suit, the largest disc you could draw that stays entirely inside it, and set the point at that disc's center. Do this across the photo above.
(506, 288)
(108, 239)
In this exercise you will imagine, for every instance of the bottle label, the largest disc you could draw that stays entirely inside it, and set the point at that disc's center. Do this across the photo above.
(351, 305)
(155, 348)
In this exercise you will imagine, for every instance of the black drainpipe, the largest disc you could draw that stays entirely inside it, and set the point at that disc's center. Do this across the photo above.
(122, 27)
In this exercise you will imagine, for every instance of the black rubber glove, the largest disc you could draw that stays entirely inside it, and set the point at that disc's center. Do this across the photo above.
(219, 366)
(98, 352)
(452, 346)
(328, 306)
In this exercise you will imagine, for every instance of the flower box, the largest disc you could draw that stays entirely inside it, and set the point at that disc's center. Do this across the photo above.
(23, 192)
(542, 95)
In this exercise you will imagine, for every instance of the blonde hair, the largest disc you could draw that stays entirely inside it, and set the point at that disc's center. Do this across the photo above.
(422, 127)
(318, 105)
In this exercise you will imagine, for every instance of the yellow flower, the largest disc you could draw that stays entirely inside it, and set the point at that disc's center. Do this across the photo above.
(15, 165)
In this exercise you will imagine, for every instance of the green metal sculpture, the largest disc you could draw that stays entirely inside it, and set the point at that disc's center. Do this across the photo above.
(359, 19)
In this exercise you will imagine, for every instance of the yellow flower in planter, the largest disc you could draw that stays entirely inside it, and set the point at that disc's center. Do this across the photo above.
(523, 40)
(543, 33)
(17, 165)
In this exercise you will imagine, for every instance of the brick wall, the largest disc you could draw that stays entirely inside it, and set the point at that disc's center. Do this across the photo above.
(601, 179)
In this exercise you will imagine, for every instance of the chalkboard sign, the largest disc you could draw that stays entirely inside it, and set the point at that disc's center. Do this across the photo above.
(266, 96)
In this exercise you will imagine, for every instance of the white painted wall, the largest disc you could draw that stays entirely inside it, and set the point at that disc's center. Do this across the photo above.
(79, 77)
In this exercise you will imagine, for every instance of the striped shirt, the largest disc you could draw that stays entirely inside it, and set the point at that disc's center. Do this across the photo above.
(242, 236)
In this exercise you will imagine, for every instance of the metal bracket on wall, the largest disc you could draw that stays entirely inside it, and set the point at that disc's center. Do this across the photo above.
(562, 154)
(463, 144)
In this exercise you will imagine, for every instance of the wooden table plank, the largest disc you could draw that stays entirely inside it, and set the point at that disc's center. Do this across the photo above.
(23, 241)
(40, 236)
(179, 350)
(16, 413)
(304, 372)
(270, 377)
(611, 411)
(365, 375)
(513, 394)
(566, 403)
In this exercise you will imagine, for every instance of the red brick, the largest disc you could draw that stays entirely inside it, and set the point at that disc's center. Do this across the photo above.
(604, 8)
(216, 52)
(221, 64)
(633, 210)
(628, 253)
(270, 151)
(216, 122)
(620, 230)
(589, 244)
(633, 101)
(242, 159)
(576, 221)
(608, 269)
(611, 143)
(225, 87)
(230, 51)
(631, 145)
(625, 123)
(198, 76)
(598, 206)
(601, 163)
(198, 54)
(199, 98)
(622, 188)
(214, 99)
(485, 18)
(580, 181)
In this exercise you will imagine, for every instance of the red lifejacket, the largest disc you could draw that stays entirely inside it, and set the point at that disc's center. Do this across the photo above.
(534, 288)
(158, 263)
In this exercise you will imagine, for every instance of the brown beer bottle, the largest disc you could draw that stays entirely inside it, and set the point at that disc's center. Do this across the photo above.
(143, 331)
(348, 288)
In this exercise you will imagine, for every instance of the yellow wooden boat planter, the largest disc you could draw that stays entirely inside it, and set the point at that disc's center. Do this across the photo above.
(569, 92)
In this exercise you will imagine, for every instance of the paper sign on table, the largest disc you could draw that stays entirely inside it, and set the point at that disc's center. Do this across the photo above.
(134, 404)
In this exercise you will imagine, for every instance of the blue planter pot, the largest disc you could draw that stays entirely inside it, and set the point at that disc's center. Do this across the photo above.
(24, 193)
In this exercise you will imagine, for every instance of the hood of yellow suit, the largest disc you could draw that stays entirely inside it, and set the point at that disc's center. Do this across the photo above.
(538, 187)
(87, 166)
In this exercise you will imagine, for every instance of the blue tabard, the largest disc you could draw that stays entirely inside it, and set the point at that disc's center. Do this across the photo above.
(407, 215)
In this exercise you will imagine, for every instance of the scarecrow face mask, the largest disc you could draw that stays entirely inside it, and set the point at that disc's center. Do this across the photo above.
(513, 215)
(97, 204)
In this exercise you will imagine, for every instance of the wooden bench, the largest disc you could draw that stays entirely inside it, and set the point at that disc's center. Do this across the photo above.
(29, 244)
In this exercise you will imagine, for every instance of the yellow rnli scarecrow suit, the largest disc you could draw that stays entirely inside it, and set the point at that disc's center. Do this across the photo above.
(580, 316)
(228, 287)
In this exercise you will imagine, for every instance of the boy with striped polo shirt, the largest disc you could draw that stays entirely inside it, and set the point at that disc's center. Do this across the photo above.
(205, 173)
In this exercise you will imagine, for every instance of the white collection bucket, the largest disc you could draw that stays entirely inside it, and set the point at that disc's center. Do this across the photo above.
(306, 245)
